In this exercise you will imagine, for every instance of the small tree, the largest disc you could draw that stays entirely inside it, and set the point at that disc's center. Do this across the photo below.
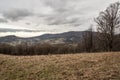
(108, 21)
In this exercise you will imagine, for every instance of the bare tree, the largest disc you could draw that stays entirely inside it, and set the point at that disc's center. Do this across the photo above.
(108, 21)
(88, 39)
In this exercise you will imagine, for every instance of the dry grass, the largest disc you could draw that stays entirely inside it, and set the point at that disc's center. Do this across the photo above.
(100, 66)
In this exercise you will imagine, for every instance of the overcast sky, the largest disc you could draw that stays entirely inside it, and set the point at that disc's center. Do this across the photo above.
(28, 18)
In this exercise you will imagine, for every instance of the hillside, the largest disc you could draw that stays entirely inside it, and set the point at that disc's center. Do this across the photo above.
(94, 66)
(66, 37)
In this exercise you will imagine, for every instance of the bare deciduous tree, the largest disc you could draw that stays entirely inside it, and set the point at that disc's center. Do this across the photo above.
(88, 39)
(108, 21)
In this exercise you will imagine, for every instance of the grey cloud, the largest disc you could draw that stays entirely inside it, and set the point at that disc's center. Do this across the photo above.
(63, 21)
(28, 23)
(2, 20)
(56, 4)
(16, 14)
(18, 30)
(62, 11)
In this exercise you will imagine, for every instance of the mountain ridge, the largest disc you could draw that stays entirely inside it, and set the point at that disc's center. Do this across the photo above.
(66, 37)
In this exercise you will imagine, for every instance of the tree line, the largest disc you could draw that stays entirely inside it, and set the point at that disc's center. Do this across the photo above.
(89, 43)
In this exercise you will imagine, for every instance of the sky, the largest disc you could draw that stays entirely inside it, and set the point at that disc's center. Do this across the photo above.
(28, 18)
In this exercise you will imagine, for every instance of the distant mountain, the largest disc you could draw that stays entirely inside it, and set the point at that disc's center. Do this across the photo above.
(67, 37)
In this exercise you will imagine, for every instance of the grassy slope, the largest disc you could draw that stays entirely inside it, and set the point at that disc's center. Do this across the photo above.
(105, 66)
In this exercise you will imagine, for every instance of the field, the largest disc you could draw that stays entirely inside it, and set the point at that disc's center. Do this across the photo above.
(85, 66)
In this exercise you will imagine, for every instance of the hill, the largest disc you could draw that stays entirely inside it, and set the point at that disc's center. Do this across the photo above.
(67, 37)
(94, 66)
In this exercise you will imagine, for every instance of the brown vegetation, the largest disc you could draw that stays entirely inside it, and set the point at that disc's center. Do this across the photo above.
(100, 66)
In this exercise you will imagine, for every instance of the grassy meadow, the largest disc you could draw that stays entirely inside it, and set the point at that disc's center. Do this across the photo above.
(85, 66)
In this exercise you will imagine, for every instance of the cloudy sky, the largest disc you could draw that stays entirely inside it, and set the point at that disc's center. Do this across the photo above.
(26, 18)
